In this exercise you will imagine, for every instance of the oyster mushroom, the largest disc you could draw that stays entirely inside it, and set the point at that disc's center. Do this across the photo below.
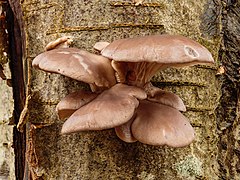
(63, 42)
(101, 45)
(136, 60)
(169, 101)
(158, 124)
(137, 110)
(78, 64)
(155, 94)
(72, 102)
(113, 107)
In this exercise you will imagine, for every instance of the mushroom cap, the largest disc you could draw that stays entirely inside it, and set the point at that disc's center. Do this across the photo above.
(158, 95)
(62, 42)
(72, 102)
(113, 107)
(168, 98)
(165, 49)
(100, 45)
(158, 124)
(77, 64)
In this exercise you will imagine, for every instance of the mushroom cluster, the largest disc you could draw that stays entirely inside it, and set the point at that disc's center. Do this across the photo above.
(122, 96)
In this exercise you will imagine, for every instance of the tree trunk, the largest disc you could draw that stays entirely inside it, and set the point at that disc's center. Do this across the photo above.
(211, 97)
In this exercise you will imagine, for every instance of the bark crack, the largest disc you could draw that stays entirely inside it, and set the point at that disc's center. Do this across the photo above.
(16, 47)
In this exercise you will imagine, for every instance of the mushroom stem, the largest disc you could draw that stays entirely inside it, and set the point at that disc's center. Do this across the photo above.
(120, 72)
(140, 73)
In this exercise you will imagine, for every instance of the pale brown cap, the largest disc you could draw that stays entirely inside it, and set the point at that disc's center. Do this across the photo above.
(112, 108)
(158, 95)
(164, 49)
(62, 42)
(72, 102)
(101, 45)
(158, 124)
(77, 64)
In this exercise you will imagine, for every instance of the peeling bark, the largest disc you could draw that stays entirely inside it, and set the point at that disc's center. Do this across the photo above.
(16, 42)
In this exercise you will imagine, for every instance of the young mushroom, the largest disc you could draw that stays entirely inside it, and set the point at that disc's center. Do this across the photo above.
(63, 42)
(123, 97)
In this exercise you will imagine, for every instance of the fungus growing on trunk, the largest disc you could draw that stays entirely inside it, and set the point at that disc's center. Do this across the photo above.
(63, 42)
(72, 102)
(113, 107)
(164, 125)
(78, 64)
(155, 94)
(136, 60)
(123, 96)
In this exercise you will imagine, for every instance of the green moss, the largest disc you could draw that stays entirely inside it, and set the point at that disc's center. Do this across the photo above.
(191, 166)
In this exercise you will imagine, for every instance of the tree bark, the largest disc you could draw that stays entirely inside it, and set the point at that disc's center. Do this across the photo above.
(12, 91)
(212, 98)
(228, 110)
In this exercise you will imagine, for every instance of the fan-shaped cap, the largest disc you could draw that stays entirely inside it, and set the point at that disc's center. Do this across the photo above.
(113, 107)
(164, 49)
(101, 45)
(72, 102)
(77, 64)
(158, 124)
(136, 60)
(168, 98)
(164, 97)
(62, 42)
